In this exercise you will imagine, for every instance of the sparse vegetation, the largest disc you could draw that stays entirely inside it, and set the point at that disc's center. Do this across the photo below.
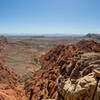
(36, 60)
(42, 67)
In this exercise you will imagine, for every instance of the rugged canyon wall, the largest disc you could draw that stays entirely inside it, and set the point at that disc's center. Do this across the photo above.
(44, 85)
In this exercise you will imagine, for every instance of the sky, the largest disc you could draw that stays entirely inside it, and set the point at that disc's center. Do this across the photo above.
(49, 16)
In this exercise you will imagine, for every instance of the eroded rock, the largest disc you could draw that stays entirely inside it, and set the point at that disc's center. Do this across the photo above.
(12, 93)
(81, 82)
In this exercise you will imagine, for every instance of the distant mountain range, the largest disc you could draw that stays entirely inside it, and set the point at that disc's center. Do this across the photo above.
(35, 35)
(41, 35)
(93, 36)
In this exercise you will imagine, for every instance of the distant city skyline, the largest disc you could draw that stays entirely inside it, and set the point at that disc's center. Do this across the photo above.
(49, 16)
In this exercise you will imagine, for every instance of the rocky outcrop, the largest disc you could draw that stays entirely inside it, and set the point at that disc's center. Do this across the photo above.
(55, 62)
(79, 81)
(93, 36)
(9, 90)
(7, 75)
(43, 85)
(12, 93)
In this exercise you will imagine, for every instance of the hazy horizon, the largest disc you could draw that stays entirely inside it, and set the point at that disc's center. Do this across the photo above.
(46, 34)
(42, 34)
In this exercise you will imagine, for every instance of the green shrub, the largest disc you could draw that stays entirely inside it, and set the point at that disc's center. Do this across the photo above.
(42, 67)
(36, 60)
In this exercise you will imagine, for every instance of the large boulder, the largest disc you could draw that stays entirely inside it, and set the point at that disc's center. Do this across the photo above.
(79, 81)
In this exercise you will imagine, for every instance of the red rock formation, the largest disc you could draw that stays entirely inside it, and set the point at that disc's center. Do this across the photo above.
(12, 93)
(9, 90)
(7, 75)
(8, 84)
(44, 86)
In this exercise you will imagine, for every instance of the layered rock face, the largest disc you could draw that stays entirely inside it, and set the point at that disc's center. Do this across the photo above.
(79, 82)
(55, 62)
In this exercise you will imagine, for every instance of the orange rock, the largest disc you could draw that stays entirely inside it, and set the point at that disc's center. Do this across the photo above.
(12, 93)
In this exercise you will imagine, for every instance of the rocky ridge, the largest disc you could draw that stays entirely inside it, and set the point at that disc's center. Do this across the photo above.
(93, 36)
(44, 85)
